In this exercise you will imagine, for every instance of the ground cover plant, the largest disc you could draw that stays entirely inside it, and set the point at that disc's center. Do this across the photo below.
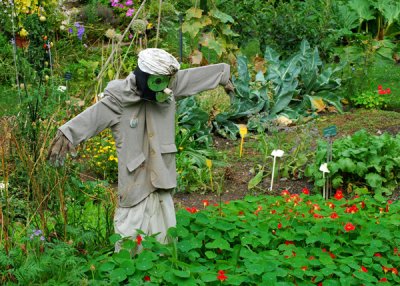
(299, 67)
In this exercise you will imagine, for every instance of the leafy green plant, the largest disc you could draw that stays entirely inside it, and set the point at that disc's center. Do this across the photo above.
(267, 240)
(211, 28)
(370, 99)
(296, 87)
(363, 160)
(193, 139)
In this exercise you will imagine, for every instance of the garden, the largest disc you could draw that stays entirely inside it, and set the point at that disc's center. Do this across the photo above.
(292, 179)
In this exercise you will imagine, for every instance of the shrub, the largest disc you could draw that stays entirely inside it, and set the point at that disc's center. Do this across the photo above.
(360, 161)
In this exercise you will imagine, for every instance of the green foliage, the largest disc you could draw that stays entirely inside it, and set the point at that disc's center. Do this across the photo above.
(267, 240)
(39, 262)
(193, 139)
(361, 160)
(370, 99)
(295, 87)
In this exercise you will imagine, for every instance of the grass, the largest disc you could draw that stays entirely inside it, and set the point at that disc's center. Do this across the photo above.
(9, 101)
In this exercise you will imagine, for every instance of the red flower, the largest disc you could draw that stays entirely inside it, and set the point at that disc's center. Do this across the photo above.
(241, 213)
(279, 225)
(381, 92)
(192, 210)
(378, 254)
(349, 227)
(319, 284)
(385, 269)
(352, 210)
(380, 87)
(304, 268)
(221, 275)
(383, 279)
(363, 269)
(394, 271)
(258, 210)
(305, 191)
(287, 242)
(318, 216)
(388, 91)
(334, 215)
(339, 194)
(206, 203)
(273, 212)
(146, 278)
(331, 205)
(362, 204)
(139, 239)
(285, 193)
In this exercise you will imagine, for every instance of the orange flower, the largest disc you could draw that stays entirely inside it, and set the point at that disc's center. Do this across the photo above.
(206, 203)
(221, 275)
(139, 239)
(349, 227)
(339, 194)
(192, 210)
(334, 215)
(285, 193)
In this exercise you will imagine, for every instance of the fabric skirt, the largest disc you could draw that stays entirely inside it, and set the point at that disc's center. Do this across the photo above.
(155, 214)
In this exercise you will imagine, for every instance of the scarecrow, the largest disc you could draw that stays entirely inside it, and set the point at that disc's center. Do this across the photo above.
(140, 111)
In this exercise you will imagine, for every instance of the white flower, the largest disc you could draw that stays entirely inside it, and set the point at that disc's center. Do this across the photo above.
(110, 33)
(324, 168)
(277, 153)
(62, 27)
(2, 186)
(62, 88)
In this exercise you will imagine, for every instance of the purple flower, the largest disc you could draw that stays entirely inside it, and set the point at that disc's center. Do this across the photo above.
(128, 3)
(76, 24)
(121, 6)
(42, 238)
(81, 31)
(130, 36)
(129, 13)
(70, 30)
(37, 232)
(114, 3)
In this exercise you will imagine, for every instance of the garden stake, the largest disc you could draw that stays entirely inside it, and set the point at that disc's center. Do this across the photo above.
(324, 169)
(328, 133)
(242, 132)
(15, 52)
(275, 153)
(209, 166)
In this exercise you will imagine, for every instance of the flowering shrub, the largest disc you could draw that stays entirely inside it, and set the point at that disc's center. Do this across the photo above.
(267, 240)
(100, 153)
(372, 99)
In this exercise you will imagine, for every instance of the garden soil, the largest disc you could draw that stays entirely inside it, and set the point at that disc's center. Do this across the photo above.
(238, 173)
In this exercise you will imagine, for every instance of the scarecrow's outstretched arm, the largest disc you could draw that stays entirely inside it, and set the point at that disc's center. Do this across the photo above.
(195, 80)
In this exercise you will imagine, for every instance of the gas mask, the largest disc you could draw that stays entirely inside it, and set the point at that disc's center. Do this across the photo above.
(153, 87)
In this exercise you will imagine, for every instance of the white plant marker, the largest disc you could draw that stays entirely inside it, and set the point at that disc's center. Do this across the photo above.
(275, 153)
(324, 169)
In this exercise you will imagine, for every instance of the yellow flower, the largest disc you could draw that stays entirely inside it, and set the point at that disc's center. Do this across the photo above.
(111, 158)
(180, 148)
(116, 159)
(208, 163)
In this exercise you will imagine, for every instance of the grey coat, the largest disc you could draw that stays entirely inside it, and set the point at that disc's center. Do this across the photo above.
(144, 131)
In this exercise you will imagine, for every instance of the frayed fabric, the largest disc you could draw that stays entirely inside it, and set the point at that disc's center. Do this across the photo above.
(155, 214)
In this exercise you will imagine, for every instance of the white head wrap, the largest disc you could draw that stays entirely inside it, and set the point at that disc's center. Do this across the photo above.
(157, 61)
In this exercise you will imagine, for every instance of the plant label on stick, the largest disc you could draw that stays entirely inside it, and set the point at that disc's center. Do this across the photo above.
(275, 153)
(330, 131)
(242, 132)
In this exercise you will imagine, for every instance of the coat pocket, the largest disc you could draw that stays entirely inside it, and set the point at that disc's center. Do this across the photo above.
(133, 164)
(168, 148)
